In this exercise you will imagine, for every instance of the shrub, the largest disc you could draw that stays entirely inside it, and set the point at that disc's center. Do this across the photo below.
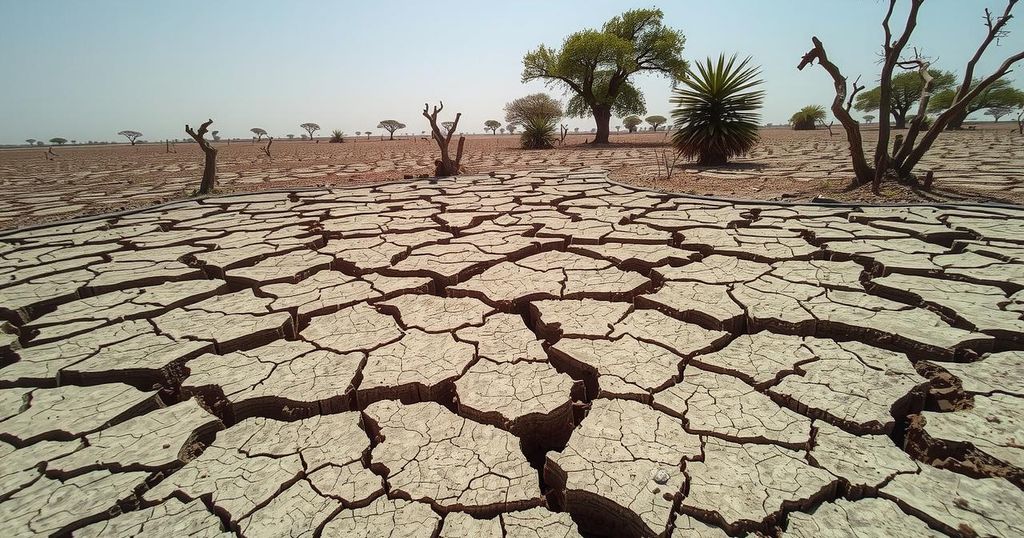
(337, 136)
(808, 118)
(716, 112)
(538, 132)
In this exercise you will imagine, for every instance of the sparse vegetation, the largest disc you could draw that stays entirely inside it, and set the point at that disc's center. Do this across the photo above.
(716, 115)
(538, 132)
(337, 136)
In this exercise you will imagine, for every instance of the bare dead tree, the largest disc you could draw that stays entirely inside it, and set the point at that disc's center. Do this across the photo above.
(445, 166)
(209, 181)
(565, 131)
(266, 150)
(901, 162)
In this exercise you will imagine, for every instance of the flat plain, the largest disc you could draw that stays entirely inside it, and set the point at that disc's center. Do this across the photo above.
(787, 165)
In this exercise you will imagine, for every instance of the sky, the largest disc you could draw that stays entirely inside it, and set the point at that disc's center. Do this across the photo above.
(85, 70)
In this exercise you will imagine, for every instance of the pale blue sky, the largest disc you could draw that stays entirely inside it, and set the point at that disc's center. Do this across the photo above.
(87, 69)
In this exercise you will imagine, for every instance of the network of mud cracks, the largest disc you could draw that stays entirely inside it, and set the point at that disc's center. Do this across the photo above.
(542, 354)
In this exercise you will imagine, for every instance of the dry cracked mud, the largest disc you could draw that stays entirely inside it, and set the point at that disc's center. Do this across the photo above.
(532, 354)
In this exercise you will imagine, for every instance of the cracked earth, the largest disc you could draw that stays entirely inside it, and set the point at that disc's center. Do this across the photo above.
(529, 354)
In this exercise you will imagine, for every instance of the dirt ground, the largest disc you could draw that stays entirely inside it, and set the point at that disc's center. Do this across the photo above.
(980, 165)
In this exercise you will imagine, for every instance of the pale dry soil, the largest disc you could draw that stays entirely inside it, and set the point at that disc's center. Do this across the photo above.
(978, 166)
(528, 354)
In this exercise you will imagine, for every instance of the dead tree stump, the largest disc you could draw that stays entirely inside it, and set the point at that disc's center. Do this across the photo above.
(445, 166)
(210, 168)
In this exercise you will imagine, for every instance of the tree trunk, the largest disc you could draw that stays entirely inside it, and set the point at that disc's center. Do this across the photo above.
(603, 117)
(956, 122)
(209, 171)
(392, 133)
(899, 120)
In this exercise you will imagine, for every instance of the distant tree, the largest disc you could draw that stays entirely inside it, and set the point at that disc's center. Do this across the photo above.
(215, 135)
(576, 129)
(631, 123)
(31, 141)
(807, 118)
(999, 94)
(290, 136)
(310, 128)
(511, 128)
(906, 90)
(367, 133)
(304, 137)
(132, 136)
(260, 133)
(655, 121)
(596, 65)
(337, 136)
(618, 128)
(492, 125)
(39, 143)
(448, 126)
(998, 112)
(869, 118)
(502, 130)
(391, 126)
(59, 141)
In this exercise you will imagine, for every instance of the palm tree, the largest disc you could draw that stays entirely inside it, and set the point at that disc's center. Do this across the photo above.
(715, 113)
(808, 118)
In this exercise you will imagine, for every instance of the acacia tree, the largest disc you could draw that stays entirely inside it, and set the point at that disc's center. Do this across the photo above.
(390, 126)
(869, 118)
(631, 123)
(310, 128)
(908, 152)
(655, 121)
(31, 141)
(132, 136)
(511, 128)
(58, 140)
(449, 126)
(260, 133)
(215, 135)
(998, 112)
(209, 181)
(492, 125)
(906, 90)
(1000, 94)
(596, 66)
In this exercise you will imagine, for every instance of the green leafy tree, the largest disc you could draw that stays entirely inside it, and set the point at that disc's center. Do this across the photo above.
(906, 90)
(716, 115)
(259, 132)
(655, 121)
(59, 141)
(492, 125)
(391, 126)
(631, 123)
(807, 118)
(537, 104)
(596, 65)
(998, 95)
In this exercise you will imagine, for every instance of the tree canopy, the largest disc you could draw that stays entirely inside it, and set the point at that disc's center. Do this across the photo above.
(906, 90)
(655, 121)
(391, 126)
(807, 118)
(58, 140)
(310, 128)
(492, 125)
(999, 95)
(132, 136)
(596, 65)
(259, 132)
(631, 123)
(519, 111)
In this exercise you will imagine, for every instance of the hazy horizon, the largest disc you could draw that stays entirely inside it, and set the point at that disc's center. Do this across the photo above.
(85, 71)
